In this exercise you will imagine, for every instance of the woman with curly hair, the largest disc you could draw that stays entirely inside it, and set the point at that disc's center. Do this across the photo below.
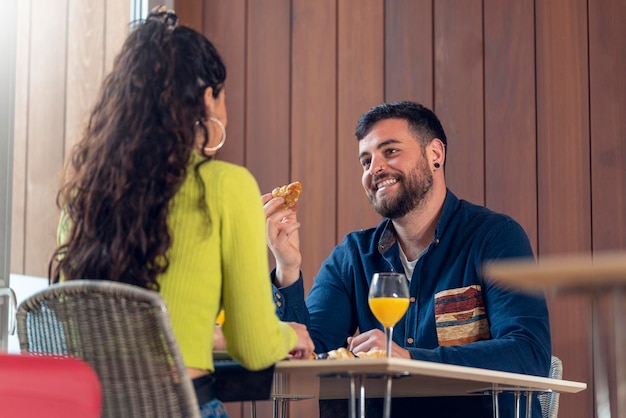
(145, 203)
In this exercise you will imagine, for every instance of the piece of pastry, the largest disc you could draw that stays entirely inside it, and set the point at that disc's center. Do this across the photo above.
(290, 192)
(340, 354)
(372, 354)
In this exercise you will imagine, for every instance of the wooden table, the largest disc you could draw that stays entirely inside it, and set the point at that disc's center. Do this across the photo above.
(594, 275)
(339, 378)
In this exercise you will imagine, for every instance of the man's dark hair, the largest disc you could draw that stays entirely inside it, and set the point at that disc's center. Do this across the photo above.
(423, 123)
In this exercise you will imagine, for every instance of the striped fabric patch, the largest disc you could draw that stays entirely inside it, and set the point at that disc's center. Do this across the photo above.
(460, 316)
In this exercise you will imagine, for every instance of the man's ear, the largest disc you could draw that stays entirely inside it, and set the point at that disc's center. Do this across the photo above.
(438, 151)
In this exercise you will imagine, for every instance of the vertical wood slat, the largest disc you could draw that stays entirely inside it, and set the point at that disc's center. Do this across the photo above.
(313, 126)
(193, 13)
(116, 28)
(458, 97)
(360, 78)
(607, 103)
(268, 110)
(510, 124)
(563, 173)
(225, 25)
(85, 52)
(46, 129)
(409, 51)
(20, 138)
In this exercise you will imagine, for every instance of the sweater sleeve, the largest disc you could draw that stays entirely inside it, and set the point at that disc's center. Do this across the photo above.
(255, 336)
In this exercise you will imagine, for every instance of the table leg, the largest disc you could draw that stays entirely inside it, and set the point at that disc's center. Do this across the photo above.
(352, 400)
(620, 352)
(362, 396)
(517, 404)
(529, 404)
(253, 409)
(275, 408)
(600, 378)
(387, 405)
(496, 406)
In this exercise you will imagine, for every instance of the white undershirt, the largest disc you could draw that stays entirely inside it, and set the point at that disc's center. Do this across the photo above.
(409, 266)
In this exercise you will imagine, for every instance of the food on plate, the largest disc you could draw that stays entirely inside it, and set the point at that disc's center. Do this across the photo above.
(344, 353)
(290, 192)
(372, 354)
(340, 354)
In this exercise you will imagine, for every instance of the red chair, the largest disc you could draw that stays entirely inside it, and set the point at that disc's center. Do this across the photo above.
(48, 386)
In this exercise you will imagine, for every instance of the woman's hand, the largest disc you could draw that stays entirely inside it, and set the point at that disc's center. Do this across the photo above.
(283, 239)
(304, 346)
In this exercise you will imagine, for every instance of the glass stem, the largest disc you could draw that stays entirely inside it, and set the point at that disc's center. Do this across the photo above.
(389, 335)
(387, 403)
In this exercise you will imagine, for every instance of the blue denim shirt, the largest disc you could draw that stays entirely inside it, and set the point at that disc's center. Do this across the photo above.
(455, 315)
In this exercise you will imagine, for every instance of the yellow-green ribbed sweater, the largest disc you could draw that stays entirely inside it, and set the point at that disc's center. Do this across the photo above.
(224, 263)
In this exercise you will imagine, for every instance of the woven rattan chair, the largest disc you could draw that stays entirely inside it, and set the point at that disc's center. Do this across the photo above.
(124, 333)
(550, 401)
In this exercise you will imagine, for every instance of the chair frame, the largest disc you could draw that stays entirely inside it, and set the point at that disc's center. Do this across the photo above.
(124, 333)
(550, 400)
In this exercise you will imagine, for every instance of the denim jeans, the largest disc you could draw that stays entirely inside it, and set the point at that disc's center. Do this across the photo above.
(213, 409)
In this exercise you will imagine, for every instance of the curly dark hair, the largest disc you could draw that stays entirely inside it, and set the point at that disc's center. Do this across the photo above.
(134, 153)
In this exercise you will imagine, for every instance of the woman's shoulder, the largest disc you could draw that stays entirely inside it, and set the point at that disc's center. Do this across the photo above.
(225, 171)
(223, 178)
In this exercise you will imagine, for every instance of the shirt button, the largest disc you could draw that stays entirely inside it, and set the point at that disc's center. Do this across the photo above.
(279, 304)
(278, 296)
(412, 299)
(410, 340)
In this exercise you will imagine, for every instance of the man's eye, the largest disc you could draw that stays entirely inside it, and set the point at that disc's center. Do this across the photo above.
(365, 164)
(390, 151)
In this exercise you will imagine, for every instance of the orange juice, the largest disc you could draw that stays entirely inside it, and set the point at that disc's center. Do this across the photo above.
(388, 310)
(219, 321)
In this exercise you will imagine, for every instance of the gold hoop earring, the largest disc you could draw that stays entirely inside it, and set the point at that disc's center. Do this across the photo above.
(210, 150)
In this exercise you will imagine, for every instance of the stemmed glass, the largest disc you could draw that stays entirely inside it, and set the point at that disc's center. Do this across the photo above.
(388, 299)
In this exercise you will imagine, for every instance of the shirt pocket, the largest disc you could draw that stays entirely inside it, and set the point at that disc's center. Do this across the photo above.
(460, 316)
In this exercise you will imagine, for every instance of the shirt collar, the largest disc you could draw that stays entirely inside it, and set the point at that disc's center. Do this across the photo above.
(388, 237)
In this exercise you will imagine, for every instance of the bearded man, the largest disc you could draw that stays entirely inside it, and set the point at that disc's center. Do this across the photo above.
(440, 243)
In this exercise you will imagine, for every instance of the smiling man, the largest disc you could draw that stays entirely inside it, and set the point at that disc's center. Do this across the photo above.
(440, 242)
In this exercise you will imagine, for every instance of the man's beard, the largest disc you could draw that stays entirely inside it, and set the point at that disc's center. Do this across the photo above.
(413, 190)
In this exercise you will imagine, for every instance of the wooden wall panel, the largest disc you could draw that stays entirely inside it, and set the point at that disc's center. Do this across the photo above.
(607, 98)
(20, 136)
(225, 24)
(194, 13)
(46, 129)
(459, 93)
(85, 52)
(563, 127)
(360, 78)
(314, 126)
(409, 51)
(116, 29)
(564, 178)
(510, 124)
(268, 110)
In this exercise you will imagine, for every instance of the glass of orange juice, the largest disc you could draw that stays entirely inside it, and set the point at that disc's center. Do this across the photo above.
(389, 300)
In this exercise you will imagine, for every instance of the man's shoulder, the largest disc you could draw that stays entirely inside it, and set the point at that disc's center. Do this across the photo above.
(483, 214)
